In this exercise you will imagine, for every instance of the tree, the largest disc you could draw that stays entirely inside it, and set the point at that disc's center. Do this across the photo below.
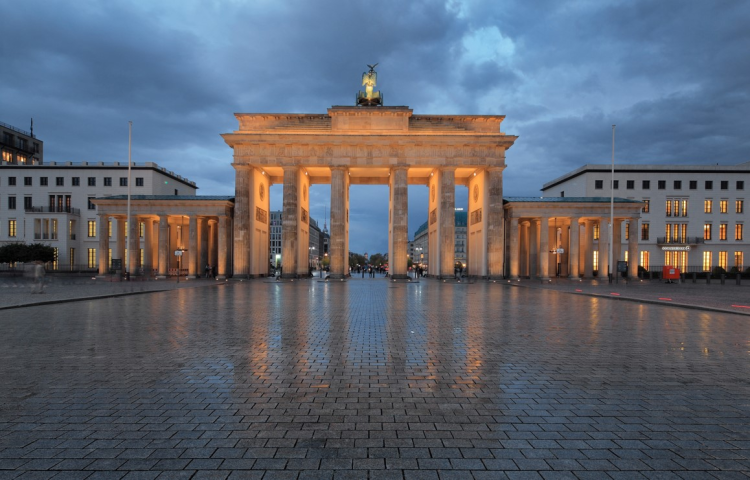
(21, 252)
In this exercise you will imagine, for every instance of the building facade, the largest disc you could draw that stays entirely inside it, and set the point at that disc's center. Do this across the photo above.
(419, 247)
(19, 147)
(693, 216)
(53, 203)
(317, 247)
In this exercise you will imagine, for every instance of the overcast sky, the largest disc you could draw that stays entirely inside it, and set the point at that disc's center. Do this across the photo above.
(673, 75)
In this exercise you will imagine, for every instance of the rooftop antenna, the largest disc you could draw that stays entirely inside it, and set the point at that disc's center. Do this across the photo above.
(32, 127)
(325, 219)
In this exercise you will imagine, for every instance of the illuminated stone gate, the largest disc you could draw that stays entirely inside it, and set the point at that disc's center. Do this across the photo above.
(368, 145)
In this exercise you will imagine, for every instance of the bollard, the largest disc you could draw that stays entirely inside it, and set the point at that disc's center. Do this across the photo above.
(708, 278)
(695, 276)
(737, 279)
(722, 277)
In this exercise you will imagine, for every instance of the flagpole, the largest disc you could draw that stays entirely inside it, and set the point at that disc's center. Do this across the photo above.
(612, 209)
(130, 225)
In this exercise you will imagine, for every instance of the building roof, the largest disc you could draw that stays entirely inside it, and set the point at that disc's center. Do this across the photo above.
(170, 197)
(567, 200)
(739, 168)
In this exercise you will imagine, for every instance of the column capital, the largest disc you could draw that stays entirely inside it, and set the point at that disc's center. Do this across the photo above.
(447, 168)
(495, 168)
(242, 166)
(399, 168)
(339, 168)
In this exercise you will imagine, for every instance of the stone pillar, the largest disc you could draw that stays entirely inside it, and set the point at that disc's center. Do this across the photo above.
(242, 214)
(192, 246)
(616, 243)
(544, 249)
(514, 250)
(524, 230)
(289, 218)
(338, 248)
(588, 254)
(221, 267)
(164, 253)
(103, 244)
(399, 208)
(203, 229)
(447, 237)
(574, 246)
(603, 247)
(495, 225)
(120, 252)
(134, 244)
(212, 257)
(533, 248)
(633, 258)
(148, 245)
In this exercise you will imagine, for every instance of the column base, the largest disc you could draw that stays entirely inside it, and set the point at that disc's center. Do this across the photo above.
(221, 277)
(336, 276)
(545, 279)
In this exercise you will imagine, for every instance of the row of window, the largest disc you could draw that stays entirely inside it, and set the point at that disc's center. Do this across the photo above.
(679, 207)
(18, 142)
(708, 231)
(676, 185)
(75, 181)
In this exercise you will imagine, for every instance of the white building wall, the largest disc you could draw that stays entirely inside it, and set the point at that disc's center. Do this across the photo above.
(659, 183)
(156, 181)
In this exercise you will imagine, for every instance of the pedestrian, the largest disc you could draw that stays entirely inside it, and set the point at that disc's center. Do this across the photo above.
(39, 272)
(208, 271)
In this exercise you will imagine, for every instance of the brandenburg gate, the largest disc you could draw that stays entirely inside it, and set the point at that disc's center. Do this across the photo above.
(368, 144)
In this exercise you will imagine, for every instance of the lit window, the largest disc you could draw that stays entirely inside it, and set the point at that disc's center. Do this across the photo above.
(91, 257)
(7, 156)
(644, 259)
(596, 231)
(646, 206)
(738, 231)
(644, 231)
(596, 260)
(723, 231)
(723, 206)
(669, 208)
(723, 260)
(739, 260)
(92, 228)
(706, 261)
(707, 231)
(708, 205)
(739, 206)
(627, 232)
(11, 228)
(684, 208)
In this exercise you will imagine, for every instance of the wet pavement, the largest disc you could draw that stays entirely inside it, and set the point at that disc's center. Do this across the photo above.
(370, 379)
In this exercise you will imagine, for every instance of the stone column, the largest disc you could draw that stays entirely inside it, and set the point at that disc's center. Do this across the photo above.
(514, 250)
(398, 261)
(633, 257)
(289, 219)
(447, 239)
(588, 254)
(524, 230)
(574, 247)
(103, 244)
(533, 248)
(212, 258)
(544, 249)
(495, 226)
(120, 252)
(242, 213)
(192, 246)
(148, 245)
(134, 244)
(338, 249)
(616, 243)
(221, 267)
(163, 268)
(203, 229)
(603, 247)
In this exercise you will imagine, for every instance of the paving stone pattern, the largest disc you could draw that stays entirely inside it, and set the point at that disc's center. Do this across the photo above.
(369, 379)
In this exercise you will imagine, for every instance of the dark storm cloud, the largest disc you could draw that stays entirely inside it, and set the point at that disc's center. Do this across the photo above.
(672, 75)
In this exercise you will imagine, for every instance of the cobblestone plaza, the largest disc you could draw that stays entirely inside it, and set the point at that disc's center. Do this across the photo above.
(371, 379)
